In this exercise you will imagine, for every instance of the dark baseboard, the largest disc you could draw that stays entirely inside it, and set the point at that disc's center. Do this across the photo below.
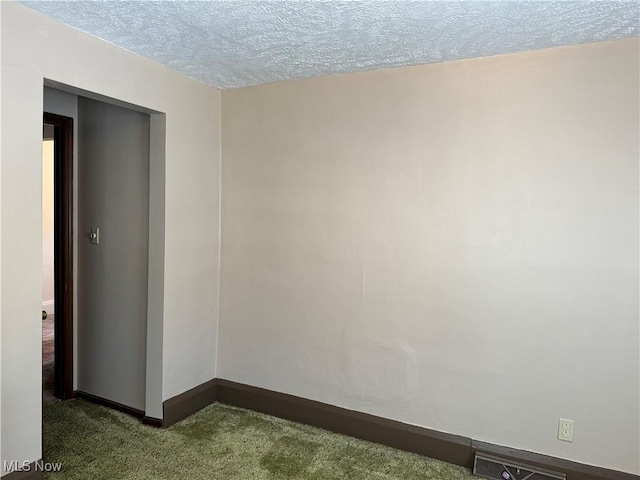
(152, 422)
(188, 403)
(32, 473)
(134, 412)
(450, 448)
(455, 449)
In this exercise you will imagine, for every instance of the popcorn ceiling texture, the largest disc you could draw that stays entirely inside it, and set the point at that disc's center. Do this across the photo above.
(236, 43)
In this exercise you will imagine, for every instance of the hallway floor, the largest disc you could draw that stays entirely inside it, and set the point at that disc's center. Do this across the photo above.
(48, 361)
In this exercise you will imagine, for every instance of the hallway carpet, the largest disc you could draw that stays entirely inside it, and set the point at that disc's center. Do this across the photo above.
(219, 442)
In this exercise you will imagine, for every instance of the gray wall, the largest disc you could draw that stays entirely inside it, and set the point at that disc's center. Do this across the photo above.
(113, 195)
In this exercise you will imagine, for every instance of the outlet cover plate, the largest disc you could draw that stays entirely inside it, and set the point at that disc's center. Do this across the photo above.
(565, 430)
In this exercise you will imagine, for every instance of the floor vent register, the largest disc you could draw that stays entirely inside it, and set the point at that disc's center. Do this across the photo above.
(497, 468)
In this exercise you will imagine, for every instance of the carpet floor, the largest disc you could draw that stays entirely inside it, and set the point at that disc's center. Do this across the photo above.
(219, 442)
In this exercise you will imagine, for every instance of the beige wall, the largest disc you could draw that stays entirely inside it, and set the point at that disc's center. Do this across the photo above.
(453, 246)
(35, 48)
(47, 227)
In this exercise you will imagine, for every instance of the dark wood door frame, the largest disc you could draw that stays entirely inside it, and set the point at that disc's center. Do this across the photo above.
(63, 252)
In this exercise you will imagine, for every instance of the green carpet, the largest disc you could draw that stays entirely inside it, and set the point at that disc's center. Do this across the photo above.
(219, 442)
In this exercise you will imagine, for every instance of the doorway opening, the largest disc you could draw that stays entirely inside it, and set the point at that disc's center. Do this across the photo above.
(109, 176)
(57, 268)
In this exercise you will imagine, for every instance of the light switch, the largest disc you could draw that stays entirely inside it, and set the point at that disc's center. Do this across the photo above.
(95, 235)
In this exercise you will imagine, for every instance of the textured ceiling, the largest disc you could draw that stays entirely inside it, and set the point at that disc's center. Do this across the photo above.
(235, 43)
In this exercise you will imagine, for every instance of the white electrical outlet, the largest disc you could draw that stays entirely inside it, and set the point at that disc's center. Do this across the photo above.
(565, 430)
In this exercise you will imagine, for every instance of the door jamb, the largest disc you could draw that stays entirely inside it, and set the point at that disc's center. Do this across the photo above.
(63, 253)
